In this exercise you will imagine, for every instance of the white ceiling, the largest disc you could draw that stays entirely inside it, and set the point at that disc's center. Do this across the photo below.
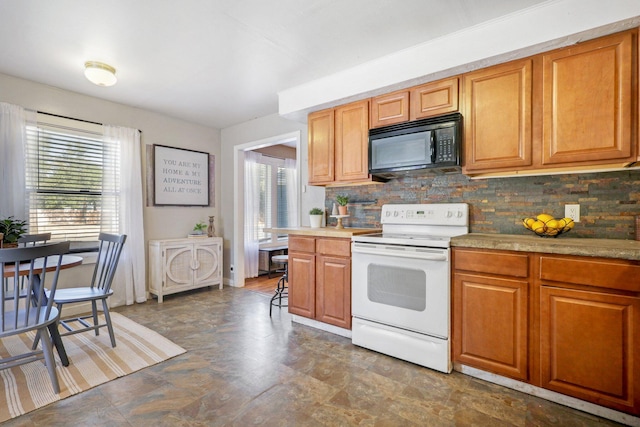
(218, 62)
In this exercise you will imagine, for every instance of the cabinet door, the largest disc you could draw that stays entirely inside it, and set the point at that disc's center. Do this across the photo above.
(302, 284)
(333, 291)
(434, 98)
(207, 264)
(491, 323)
(589, 345)
(498, 122)
(389, 109)
(321, 147)
(587, 101)
(352, 142)
(178, 271)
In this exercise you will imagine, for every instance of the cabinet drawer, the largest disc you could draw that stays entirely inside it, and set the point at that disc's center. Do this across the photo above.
(599, 272)
(302, 244)
(501, 263)
(337, 247)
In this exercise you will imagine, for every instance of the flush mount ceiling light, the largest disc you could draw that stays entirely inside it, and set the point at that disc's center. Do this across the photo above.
(99, 73)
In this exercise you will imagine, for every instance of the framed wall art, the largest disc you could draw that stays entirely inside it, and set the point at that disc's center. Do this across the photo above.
(181, 177)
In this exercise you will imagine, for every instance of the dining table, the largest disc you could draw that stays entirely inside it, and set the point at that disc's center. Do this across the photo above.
(68, 261)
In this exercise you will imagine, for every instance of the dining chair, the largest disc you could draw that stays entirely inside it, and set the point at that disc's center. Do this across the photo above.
(33, 239)
(35, 263)
(27, 240)
(99, 290)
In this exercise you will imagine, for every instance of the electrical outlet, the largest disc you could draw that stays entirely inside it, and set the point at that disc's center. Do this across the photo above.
(573, 212)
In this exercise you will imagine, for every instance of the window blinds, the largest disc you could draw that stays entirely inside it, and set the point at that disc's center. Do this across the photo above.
(66, 193)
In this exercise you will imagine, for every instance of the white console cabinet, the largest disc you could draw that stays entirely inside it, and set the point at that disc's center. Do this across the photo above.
(177, 265)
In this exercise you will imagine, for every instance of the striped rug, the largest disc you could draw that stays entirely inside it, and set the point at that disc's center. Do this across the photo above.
(93, 362)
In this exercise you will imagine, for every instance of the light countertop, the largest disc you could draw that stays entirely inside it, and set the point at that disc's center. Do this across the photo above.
(605, 248)
(324, 231)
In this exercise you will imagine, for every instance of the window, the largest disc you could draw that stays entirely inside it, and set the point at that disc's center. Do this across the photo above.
(273, 204)
(71, 179)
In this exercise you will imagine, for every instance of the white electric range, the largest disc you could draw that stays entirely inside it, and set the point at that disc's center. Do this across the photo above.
(401, 282)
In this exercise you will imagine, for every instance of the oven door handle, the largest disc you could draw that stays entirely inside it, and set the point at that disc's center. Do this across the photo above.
(401, 253)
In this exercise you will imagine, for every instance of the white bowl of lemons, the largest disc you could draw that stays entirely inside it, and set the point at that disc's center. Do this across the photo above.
(545, 225)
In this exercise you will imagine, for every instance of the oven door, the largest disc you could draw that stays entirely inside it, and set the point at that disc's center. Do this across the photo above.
(402, 286)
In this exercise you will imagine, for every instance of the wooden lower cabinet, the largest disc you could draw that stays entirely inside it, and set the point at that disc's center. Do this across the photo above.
(333, 290)
(590, 329)
(491, 312)
(302, 273)
(589, 346)
(320, 279)
(572, 325)
(492, 333)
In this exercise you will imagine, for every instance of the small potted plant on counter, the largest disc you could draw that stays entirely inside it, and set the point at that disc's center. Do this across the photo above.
(342, 200)
(12, 229)
(315, 217)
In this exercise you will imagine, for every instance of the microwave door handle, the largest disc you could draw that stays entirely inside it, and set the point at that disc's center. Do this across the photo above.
(432, 144)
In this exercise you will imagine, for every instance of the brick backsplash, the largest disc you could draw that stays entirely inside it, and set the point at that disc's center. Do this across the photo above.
(608, 201)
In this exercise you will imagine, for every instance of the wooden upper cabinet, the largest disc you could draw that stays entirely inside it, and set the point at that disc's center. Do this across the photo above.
(352, 142)
(419, 102)
(435, 98)
(389, 109)
(498, 117)
(321, 147)
(588, 101)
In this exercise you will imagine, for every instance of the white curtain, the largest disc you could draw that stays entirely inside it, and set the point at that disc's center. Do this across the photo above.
(292, 192)
(251, 213)
(13, 140)
(129, 285)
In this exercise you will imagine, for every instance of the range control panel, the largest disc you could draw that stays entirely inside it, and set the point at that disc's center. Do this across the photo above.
(426, 214)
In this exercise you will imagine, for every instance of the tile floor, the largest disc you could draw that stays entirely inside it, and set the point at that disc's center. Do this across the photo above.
(243, 368)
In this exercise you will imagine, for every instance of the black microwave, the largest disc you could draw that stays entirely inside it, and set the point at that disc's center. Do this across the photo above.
(432, 143)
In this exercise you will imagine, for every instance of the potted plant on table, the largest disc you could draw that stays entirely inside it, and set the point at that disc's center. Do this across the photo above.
(12, 229)
(342, 200)
(315, 217)
(199, 228)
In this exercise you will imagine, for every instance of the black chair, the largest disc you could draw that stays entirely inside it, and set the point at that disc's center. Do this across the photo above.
(99, 289)
(18, 316)
(282, 289)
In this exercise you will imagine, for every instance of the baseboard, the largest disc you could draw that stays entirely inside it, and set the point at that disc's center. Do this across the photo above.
(321, 325)
(552, 396)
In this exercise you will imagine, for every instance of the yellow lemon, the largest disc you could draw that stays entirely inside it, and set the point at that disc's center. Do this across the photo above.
(569, 223)
(544, 217)
(553, 224)
(538, 226)
(552, 231)
(528, 222)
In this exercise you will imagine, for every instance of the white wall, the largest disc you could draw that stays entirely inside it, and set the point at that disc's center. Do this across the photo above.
(159, 222)
(244, 133)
